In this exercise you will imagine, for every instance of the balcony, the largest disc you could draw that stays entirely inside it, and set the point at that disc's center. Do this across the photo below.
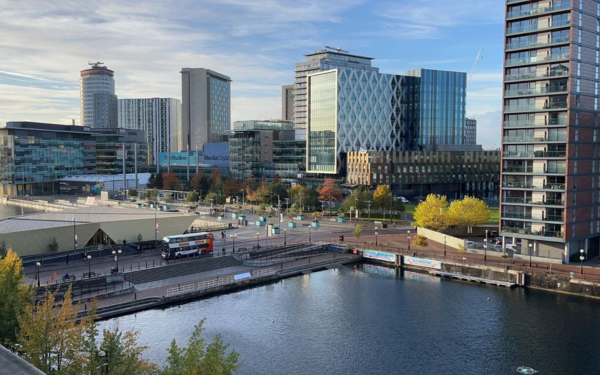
(520, 230)
(534, 107)
(540, 91)
(519, 45)
(516, 215)
(536, 59)
(535, 139)
(559, 218)
(518, 185)
(517, 77)
(554, 186)
(526, 123)
(517, 200)
(517, 170)
(532, 12)
(525, 28)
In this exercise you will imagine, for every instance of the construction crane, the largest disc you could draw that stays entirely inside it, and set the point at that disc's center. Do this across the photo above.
(479, 57)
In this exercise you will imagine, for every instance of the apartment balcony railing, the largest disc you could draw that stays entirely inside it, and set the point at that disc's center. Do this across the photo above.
(528, 123)
(517, 170)
(525, 28)
(515, 215)
(554, 186)
(534, 107)
(536, 59)
(554, 218)
(553, 202)
(511, 46)
(540, 91)
(541, 10)
(535, 154)
(534, 139)
(521, 230)
(516, 200)
(515, 77)
(518, 185)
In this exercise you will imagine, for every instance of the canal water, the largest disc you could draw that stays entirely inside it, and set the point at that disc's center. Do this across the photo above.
(9, 210)
(364, 320)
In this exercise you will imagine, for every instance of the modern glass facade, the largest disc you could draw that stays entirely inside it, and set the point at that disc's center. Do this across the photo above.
(321, 151)
(33, 156)
(265, 149)
(441, 106)
(219, 108)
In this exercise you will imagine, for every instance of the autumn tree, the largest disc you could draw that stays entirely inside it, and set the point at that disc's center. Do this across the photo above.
(196, 182)
(263, 193)
(251, 195)
(432, 213)
(232, 186)
(357, 231)
(200, 357)
(329, 192)
(382, 197)
(468, 212)
(14, 297)
(170, 181)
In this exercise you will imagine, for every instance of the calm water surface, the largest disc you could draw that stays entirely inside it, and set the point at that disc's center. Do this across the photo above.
(355, 321)
(9, 210)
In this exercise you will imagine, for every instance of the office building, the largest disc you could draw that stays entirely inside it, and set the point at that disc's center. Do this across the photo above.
(287, 103)
(322, 60)
(98, 102)
(441, 110)
(36, 155)
(159, 118)
(120, 149)
(470, 132)
(550, 156)
(206, 108)
(265, 149)
(411, 174)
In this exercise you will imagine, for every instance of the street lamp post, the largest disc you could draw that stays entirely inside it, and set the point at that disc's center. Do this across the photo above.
(116, 254)
(257, 240)
(103, 355)
(89, 258)
(285, 237)
(37, 273)
(485, 246)
(233, 236)
(530, 251)
(356, 209)
(582, 257)
(375, 236)
(408, 239)
(309, 234)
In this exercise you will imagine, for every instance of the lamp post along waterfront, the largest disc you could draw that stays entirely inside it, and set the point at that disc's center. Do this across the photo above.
(530, 251)
(116, 254)
(257, 240)
(89, 258)
(285, 237)
(444, 246)
(408, 239)
(375, 236)
(37, 272)
(485, 246)
(581, 258)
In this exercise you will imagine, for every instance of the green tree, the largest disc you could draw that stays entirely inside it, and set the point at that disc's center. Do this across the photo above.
(133, 193)
(357, 231)
(14, 297)
(151, 181)
(3, 249)
(382, 197)
(263, 193)
(192, 197)
(53, 246)
(200, 357)
(432, 213)
(468, 212)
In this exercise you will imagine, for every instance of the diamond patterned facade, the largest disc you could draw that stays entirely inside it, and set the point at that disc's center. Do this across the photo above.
(353, 110)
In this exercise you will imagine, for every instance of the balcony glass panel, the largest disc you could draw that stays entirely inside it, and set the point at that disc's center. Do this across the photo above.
(556, 73)
(511, 46)
(534, 107)
(536, 59)
(524, 28)
(540, 91)
(519, 13)
(523, 123)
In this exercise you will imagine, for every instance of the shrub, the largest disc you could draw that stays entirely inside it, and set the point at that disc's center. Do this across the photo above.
(462, 248)
(420, 240)
(357, 231)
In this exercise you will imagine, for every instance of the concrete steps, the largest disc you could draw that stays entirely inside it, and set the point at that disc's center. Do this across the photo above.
(182, 269)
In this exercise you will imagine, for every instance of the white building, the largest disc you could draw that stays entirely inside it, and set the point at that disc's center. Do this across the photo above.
(98, 102)
(160, 118)
(206, 108)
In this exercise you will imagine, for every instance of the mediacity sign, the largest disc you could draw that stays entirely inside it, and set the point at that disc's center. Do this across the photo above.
(179, 158)
(217, 154)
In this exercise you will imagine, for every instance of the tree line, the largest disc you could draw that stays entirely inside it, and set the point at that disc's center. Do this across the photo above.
(50, 336)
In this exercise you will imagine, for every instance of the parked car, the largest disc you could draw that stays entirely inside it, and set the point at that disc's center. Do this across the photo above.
(470, 244)
(515, 247)
(497, 240)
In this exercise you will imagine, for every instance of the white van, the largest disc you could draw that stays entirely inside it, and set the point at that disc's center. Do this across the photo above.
(402, 199)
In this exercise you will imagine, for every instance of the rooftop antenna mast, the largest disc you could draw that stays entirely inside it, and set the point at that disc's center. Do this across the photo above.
(479, 57)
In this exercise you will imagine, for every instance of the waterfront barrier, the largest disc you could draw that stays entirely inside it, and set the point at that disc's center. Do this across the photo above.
(214, 283)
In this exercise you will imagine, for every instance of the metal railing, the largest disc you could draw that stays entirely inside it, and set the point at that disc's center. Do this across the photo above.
(214, 283)
(522, 76)
(540, 10)
(525, 28)
(526, 123)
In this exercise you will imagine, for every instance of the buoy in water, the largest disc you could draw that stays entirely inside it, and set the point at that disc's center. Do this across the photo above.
(488, 299)
(526, 370)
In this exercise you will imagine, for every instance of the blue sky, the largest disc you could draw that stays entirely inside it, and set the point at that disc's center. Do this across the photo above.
(45, 44)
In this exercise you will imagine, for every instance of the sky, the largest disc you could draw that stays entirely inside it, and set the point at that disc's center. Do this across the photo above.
(45, 44)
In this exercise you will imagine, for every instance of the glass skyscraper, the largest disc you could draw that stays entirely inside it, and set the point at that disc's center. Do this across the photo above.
(441, 107)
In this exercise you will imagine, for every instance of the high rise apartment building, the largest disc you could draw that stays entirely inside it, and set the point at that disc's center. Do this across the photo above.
(159, 118)
(287, 103)
(98, 102)
(550, 156)
(318, 61)
(206, 108)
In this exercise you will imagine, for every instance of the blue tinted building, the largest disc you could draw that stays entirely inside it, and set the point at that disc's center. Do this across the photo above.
(441, 108)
